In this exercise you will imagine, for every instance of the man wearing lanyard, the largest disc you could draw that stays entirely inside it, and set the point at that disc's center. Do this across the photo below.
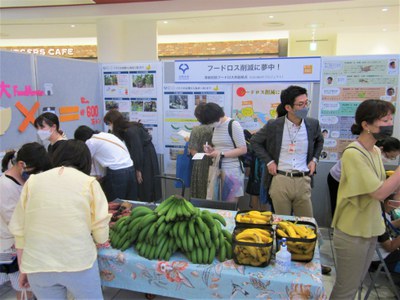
(290, 146)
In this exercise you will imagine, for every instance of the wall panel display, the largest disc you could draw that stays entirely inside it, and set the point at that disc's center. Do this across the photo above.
(180, 101)
(255, 103)
(294, 69)
(135, 89)
(345, 83)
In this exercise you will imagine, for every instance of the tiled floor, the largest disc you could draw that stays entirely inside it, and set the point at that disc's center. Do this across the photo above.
(381, 291)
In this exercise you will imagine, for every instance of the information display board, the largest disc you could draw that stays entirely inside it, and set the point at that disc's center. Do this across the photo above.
(346, 82)
(135, 89)
(180, 101)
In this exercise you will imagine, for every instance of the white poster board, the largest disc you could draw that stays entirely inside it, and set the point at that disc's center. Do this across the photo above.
(345, 82)
(180, 101)
(255, 103)
(135, 89)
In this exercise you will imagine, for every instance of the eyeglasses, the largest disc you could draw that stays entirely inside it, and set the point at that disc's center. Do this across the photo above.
(303, 104)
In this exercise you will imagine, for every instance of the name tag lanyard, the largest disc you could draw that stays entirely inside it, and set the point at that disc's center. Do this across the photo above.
(292, 145)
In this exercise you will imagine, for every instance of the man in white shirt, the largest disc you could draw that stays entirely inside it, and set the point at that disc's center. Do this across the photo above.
(111, 163)
(290, 146)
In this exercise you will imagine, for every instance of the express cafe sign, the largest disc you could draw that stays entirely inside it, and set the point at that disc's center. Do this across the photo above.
(63, 51)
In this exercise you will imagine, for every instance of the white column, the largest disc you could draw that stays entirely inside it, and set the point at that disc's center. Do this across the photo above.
(125, 40)
(140, 40)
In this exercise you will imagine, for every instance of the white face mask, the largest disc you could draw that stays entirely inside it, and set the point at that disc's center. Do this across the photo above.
(110, 127)
(44, 135)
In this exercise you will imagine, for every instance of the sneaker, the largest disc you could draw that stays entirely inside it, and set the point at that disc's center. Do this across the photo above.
(325, 270)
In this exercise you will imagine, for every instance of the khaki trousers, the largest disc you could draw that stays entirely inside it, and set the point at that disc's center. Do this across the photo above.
(353, 257)
(291, 194)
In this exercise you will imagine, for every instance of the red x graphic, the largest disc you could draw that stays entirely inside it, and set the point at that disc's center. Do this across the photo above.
(29, 115)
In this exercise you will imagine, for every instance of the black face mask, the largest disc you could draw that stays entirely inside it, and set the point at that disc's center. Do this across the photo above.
(384, 132)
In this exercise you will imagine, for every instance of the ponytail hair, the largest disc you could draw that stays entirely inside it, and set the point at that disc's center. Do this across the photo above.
(8, 158)
(280, 110)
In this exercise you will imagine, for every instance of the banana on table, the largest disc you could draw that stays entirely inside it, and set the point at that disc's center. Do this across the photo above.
(255, 255)
(254, 217)
(175, 225)
(300, 250)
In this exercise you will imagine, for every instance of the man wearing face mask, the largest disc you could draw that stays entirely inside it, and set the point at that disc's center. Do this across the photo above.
(290, 146)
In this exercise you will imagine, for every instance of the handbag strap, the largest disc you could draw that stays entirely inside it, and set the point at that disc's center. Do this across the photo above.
(99, 138)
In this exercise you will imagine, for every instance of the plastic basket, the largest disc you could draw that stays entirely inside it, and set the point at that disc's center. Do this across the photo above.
(258, 222)
(302, 249)
(256, 254)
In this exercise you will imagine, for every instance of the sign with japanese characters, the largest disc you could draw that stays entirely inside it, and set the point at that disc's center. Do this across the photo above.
(135, 90)
(180, 101)
(306, 69)
(345, 82)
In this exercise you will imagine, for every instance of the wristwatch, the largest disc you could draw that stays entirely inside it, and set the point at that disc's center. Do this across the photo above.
(315, 160)
(222, 155)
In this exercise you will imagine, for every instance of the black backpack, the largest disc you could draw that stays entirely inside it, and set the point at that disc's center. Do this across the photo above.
(247, 158)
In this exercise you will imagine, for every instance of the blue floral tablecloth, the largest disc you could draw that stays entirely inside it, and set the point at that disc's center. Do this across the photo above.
(179, 278)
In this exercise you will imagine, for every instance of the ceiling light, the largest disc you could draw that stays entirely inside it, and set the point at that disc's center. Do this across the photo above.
(313, 46)
(72, 26)
(384, 29)
(271, 17)
(165, 22)
(385, 9)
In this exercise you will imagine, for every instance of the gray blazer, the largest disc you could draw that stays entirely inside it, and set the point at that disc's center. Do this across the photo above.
(267, 142)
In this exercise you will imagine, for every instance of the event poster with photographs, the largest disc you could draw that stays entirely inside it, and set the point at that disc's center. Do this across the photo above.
(345, 83)
(136, 91)
(255, 103)
(180, 101)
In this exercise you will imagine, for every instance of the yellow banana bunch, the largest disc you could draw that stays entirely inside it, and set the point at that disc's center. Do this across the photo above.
(389, 173)
(253, 255)
(289, 229)
(301, 251)
(255, 217)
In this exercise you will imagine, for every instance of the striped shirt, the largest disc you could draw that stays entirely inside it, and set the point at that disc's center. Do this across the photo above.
(222, 141)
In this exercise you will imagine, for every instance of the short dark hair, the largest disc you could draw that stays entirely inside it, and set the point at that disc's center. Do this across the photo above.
(389, 144)
(289, 95)
(198, 112)
(34, 155)
(83, 133)
(47, 118)
(73, 153)
(211, 113)
(369, 111)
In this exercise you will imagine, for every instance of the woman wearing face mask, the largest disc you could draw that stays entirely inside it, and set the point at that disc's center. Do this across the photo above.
(390, 148)
(358, 217)
(61, 215)
(32, 158)
(48, 129)
(227, 148)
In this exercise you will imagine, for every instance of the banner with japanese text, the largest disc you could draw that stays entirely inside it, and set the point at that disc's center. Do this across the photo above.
(255, 103)
(304, 69)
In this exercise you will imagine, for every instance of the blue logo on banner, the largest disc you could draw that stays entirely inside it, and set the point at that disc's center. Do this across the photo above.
(183, 68)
